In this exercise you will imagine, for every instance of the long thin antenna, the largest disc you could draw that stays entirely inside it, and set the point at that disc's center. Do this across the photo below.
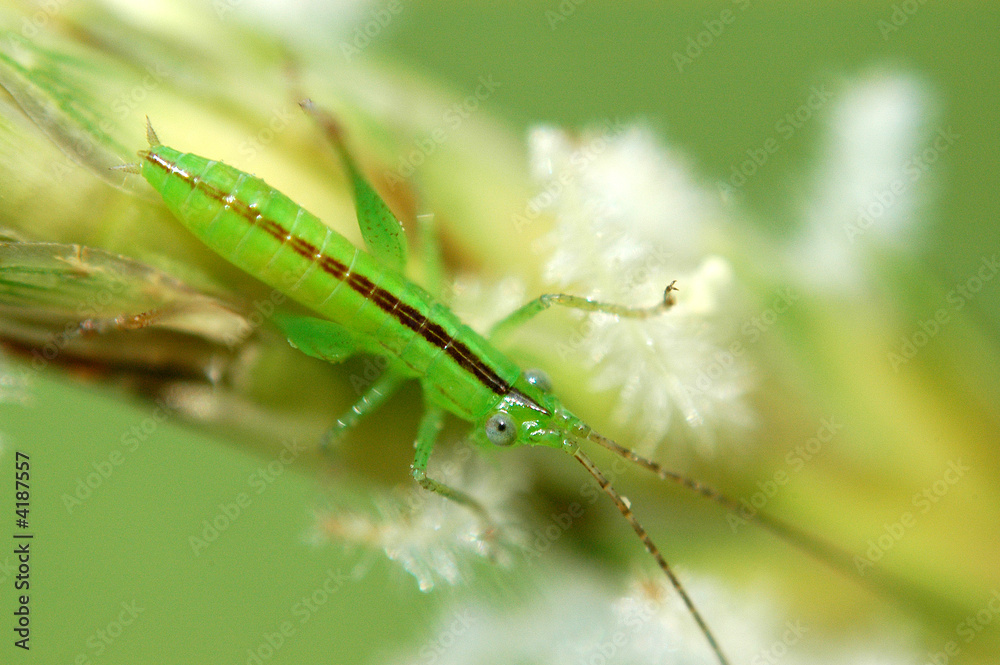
(879, 581)
(821, 548)
(651, 547)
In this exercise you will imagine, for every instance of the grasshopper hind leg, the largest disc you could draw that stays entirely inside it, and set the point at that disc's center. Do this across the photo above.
(382, 231)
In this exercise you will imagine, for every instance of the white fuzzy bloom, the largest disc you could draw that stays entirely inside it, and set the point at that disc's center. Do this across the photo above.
(623, 199)
(867, 191)
(630, 219)
(433, 538)
(571, 618)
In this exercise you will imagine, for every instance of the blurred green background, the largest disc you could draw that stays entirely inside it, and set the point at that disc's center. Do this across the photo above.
(128, 542)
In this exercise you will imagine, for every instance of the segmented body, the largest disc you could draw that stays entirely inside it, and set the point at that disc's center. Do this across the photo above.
(366, 304)
(266, 234)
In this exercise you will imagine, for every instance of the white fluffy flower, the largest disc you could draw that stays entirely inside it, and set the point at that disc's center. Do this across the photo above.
(433, 538)
(570, 618)
(630, 219)
(867, 190)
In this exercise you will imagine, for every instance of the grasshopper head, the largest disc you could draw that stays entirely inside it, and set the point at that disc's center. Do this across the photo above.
(530, 415)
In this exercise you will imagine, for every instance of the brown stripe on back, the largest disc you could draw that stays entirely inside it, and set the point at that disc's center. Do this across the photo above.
(403, 312)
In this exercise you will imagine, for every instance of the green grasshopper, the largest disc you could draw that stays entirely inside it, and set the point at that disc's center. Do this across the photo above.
(364, 304)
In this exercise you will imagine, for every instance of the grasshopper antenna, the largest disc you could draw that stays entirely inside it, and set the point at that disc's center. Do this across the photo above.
(626, 511)
(880, 582)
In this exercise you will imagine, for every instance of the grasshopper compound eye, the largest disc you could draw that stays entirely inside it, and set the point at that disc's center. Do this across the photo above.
(539, 379)
(501, 429)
